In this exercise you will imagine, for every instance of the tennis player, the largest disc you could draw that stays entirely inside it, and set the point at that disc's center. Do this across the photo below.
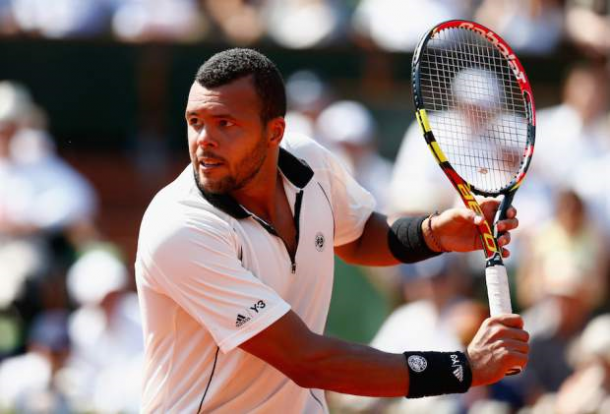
(235, 266)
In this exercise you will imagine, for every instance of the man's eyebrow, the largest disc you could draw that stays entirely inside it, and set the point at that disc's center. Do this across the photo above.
(216, 115)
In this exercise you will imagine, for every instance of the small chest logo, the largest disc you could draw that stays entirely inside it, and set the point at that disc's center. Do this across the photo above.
(319, 242)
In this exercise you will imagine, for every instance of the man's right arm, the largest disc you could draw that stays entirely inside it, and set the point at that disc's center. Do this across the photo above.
(316, 361)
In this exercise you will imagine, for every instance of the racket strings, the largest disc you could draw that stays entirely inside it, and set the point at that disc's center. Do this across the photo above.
(475, 107)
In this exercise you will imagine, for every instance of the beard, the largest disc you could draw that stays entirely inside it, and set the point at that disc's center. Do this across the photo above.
(245, 170)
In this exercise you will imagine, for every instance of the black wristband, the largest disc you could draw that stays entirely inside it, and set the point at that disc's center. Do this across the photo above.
(406, 240)
(436, 373)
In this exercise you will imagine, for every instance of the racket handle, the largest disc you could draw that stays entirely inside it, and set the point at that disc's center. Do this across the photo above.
(497, 290)
(499, 296)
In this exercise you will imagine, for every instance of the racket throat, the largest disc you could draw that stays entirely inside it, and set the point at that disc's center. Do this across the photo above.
(501, 214)
(505, 204)
(495, 260)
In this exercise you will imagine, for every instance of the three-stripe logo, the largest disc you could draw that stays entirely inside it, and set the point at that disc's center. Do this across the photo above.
(241, 319)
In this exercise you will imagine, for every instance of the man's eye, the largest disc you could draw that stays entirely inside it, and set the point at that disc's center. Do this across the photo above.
(193, 122)
(225, 123)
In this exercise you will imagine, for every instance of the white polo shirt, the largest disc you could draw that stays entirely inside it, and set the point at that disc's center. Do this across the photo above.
(210, 276)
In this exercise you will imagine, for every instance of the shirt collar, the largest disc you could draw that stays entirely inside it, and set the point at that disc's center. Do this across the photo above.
(294, 169)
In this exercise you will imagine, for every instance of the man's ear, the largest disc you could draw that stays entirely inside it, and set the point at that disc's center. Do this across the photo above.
(275, 130)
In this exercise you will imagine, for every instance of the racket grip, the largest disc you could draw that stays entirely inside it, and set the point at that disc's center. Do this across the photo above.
(498, 292)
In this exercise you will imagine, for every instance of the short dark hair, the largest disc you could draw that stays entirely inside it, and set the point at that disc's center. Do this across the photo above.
(232, 64)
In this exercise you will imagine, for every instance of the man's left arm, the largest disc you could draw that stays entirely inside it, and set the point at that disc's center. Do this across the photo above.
(454, 229)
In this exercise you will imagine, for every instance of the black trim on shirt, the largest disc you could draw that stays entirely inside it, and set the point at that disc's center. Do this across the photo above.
(209, 381)
(316, 398)
(294, 169)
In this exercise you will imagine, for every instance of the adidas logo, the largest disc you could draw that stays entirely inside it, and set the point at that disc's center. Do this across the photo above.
(241, 319)
(459, 373)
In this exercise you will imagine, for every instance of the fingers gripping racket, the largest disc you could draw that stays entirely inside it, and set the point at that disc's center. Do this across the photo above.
(475, 107)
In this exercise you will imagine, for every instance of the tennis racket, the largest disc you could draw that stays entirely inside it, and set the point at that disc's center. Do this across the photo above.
(475, 107)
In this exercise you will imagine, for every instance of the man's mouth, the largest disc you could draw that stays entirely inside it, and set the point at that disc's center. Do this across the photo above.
(209, 164)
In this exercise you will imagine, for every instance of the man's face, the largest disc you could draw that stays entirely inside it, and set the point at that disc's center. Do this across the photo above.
(227, 140)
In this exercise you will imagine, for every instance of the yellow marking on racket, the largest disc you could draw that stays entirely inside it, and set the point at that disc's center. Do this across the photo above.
(472, 204)
(422, 116)
(517, 184)
(438, 153)
(465, 191)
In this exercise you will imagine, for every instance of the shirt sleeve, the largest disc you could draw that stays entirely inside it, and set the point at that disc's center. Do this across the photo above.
(352, 204)
(198, 266)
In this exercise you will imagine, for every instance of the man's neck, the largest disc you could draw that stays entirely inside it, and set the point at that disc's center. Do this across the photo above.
(261, 195)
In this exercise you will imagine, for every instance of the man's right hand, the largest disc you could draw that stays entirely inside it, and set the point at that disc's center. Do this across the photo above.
(500, 345)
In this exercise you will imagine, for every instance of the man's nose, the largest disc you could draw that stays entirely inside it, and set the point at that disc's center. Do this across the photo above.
(205, 138)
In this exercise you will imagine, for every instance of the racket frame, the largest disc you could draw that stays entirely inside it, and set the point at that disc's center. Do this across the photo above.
(465, 190)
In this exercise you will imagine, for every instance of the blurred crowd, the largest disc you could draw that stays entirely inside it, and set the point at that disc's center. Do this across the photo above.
(70, 336)
(70, 333)
(559, 266)
(535, 26)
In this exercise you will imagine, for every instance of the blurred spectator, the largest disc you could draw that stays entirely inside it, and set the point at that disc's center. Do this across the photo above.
(294, 24)
(8, 26)
(10, 331)
(31, 382)
(397, 25)
(240, 21)
(417, 182)
(588, 389)
(67, 18)
(595, 190)
(531, 26)
(158, 20)
(105, 366)
(300, 24)
(566, 303)
(307, 95)
(349, 127)
(152, 152)
(588, 25)
(432, 289)
(573, 132)
(573, 141)
(41, 197)
(572, 151)
(569, 243)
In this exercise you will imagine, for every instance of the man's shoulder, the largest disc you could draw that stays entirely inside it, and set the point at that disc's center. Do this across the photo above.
(305, 148)
(168, 200)
(180, 208)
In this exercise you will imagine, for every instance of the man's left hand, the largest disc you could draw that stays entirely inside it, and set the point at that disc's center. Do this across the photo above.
(456, 229)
